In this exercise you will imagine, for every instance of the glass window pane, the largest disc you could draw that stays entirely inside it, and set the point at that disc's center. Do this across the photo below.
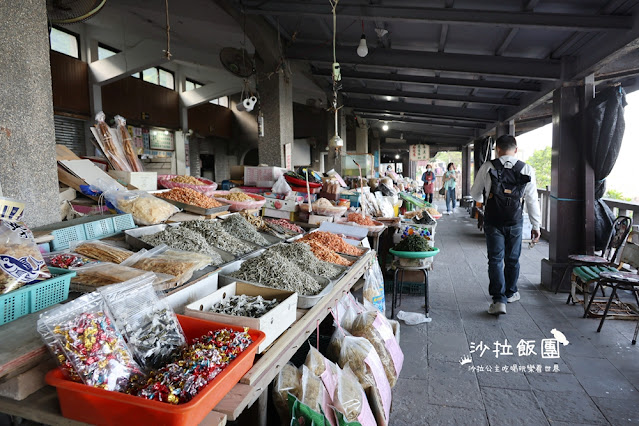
(224, 101)
(166, 79)
(215, 101)
(150, 75)
(64, 43)
(136, 75)
(105, 53)
(189, 86)
(197, 85)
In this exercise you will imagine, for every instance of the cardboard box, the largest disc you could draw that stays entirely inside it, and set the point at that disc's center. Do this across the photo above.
(146, 181)
(315, 219)
(280, 214)
(237, 173)
(262, 176)
(284, 205)
(273, 323)
(290, 196)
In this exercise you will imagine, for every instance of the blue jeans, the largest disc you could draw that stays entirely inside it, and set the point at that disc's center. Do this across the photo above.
(450, 196)
(504, 247)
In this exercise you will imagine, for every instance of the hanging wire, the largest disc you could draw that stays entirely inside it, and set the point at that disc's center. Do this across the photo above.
(167, 52)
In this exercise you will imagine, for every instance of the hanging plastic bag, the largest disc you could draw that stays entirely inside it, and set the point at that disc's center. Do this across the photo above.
(374, 327)
(110, 147)
(373, 288)
(327, 373)
(83, 338)
(127, 146)
(289, 380)
(21, 262)
(149, 325)
(281, 186)
(362, 358)
(144, 207)
(349, 400)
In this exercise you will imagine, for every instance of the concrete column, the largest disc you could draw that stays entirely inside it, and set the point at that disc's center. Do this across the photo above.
(28, 169)
(506, 128)
(276, 99)
(466, 171)
(361, 138)
(376, 150)
(567, 189)
(587, 94)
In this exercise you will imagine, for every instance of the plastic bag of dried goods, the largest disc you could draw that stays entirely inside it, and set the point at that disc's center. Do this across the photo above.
(349, 400)
(374, 289)
(127, 145)
(289, 380)
(144, 207)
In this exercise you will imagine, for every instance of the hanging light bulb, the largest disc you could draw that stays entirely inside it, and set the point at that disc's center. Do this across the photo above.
(362, 49)
(397, 156)
(385, 127)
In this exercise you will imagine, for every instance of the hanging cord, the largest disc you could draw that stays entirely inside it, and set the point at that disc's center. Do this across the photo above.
(167, 52)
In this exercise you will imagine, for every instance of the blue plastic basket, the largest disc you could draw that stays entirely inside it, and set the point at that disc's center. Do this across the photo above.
(353, 198)
(94, 230)
(35, 297)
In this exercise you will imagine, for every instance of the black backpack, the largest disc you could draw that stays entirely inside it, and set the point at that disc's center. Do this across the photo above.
(505, 201)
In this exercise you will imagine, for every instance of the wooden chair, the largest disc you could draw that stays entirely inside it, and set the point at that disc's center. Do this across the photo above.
(586, 269)
(620, 280)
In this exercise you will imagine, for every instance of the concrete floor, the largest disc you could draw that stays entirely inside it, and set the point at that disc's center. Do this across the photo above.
(598, 377)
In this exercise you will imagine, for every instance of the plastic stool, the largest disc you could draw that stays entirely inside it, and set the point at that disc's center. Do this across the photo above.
(401, 268)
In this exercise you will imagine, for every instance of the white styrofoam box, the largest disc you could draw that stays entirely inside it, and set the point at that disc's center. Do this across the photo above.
(264, 177)
(284, 205)
(273, 323)
(314, 219)
(193, 292)
(146, 181)
(358, 233)
(280, 214)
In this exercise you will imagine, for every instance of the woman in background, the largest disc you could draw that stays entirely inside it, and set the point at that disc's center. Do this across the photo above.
(450, 182)
(429, 183)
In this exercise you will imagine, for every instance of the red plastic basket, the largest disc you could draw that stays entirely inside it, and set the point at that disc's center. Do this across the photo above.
(300, 182)
(101, 407)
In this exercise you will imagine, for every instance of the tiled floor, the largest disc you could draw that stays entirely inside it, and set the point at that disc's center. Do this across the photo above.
(598, 377)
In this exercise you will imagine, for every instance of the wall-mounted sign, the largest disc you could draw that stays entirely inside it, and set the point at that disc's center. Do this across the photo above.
(145, 116)
(419, 152)
(288, 156)
(162, 140)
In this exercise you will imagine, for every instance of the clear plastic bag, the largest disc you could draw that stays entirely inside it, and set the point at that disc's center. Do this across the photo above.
(360, 354)
(20, 259)
(144, 207)
(161, 259)
(313, 390)
(90, 277)
(148, 323)
(335, 344)
(127, 146)
(84, 340)
(111, 147)
(374, 287)
(281, 186)
(374, 327)
(100, 250)
(289, 380)
(350, 400)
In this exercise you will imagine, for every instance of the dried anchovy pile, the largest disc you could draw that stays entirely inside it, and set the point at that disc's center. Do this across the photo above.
(275, 270)
(237, 225)
(303, 256)
(245, 306)
(218, 237)
(181, 238)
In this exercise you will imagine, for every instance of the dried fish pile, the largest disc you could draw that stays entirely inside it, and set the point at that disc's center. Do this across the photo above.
(181, 238)
(276, 271)
(237, 225)
(303, 256)
(216, 236)
(245, 306)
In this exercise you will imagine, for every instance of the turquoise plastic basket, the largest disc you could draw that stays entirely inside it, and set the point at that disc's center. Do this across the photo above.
(35, 297)
(94, 230)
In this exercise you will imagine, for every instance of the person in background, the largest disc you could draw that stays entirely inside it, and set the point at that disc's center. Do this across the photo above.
(507, 183)
(450, 182)
(428, 177)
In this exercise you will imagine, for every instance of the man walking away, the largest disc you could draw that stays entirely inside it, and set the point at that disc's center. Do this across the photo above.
(508, 184)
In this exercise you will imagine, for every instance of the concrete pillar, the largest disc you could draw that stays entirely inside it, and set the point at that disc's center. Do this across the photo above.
(466, 171)
(276, 104)
(587, 94)
(361, 138)
(506, 128)
(376, 149)
(28, 169)
(567, 189)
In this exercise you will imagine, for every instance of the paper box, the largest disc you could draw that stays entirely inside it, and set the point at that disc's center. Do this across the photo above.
(284, 205)
(262, 176)
(146, 181)
(273, 323)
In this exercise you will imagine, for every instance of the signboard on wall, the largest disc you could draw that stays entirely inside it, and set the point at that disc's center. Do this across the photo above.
(419, 152)
(288, 156)
(162, 140)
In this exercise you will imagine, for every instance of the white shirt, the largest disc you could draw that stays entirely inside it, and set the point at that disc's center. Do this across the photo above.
(483, 182)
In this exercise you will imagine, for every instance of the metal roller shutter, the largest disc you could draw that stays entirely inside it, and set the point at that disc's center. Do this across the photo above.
(70, 132)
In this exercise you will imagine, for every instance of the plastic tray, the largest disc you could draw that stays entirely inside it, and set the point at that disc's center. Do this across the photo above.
(414, 254)
(90, 230)
(199, 210)
(98, 406)
(35, 297)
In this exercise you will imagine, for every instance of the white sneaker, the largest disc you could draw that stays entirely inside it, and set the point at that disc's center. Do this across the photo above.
(515, 297)
(497, 308)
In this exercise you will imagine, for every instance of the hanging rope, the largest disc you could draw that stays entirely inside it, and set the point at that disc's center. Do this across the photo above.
(167, 52)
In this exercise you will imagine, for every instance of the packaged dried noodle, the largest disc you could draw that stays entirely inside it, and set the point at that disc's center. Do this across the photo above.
(163, 260)
(288, 380)
(349, 399)
(313, 390)
(144, 207)
(374, 327)
(102, 251)
(360, 354)
(327, 373)
(21, 262)
(335, 344)
(111, 147)
(127, 145)
(90, 277)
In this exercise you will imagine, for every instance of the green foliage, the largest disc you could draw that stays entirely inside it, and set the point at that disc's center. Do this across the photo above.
(616, 195)
(449, 157)
(541, 160)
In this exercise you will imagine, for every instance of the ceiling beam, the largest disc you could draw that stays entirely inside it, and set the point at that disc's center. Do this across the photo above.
(434, 96)
(492, 18)
(543, 69)
(417, 119)
(416, 79)
(429, 110)
(431, 130)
